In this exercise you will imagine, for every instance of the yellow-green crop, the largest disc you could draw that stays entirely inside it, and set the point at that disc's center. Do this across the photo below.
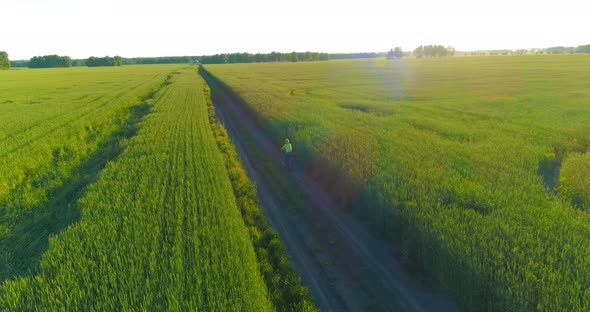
(159, 230)
(58, 127)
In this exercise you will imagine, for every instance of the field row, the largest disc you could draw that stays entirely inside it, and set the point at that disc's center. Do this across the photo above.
(59, 128)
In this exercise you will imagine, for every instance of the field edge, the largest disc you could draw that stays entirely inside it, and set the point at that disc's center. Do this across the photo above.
(284, 284)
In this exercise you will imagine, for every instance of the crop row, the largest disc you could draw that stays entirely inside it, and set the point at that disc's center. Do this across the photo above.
(159, 230)
(58, 129)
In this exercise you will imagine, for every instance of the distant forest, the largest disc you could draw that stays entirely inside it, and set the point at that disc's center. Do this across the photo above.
(551, 50)
(65, 61)
(421, 51)
(48, 61)
(281, 57)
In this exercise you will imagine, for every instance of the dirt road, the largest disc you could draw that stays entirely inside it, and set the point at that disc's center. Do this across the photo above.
(345, 266)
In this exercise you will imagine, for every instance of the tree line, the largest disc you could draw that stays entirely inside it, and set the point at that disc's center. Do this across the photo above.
(550, 50)
(433, 51)
(395, 54)
(47, 61)
(50, 61)
(162, 60)
(337, 56)
(104, 61)
(559, 50)
(229, 58)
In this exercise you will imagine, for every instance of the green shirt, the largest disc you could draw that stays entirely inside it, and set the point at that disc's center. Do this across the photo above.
(287, 147)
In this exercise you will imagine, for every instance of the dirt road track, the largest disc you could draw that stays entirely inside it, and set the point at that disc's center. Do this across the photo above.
(345, 266)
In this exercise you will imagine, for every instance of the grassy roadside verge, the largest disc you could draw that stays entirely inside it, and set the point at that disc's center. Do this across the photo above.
(283, 283)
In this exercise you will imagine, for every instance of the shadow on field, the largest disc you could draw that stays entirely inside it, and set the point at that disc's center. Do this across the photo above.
(29, 235)
(549, 171)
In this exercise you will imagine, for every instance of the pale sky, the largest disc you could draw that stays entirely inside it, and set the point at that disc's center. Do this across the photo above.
(82, 28)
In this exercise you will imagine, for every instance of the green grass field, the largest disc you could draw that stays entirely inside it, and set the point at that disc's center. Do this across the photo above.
(477, 166)
(116, 196)
(59, 127)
